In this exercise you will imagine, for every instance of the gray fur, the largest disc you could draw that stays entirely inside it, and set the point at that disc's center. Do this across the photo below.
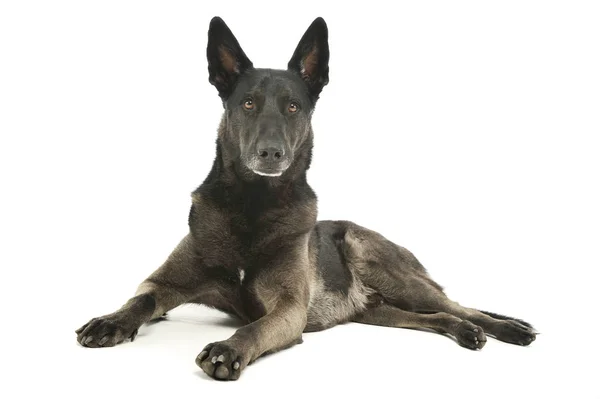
(255, 249)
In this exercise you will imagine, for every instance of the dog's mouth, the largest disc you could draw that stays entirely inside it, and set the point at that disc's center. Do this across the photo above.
(267, 169)
(268, 173)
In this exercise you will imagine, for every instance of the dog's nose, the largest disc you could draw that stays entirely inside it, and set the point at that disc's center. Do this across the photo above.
(272, 154)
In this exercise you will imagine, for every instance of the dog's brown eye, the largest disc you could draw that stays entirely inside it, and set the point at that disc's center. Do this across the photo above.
(293, 107)
(249, 104)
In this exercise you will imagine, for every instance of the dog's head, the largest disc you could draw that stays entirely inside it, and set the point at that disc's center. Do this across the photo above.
(267, 112)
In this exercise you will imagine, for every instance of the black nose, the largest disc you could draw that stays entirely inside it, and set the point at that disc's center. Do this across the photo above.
(271, 154)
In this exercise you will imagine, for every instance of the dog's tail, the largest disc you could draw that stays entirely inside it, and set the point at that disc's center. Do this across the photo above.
(502, 317)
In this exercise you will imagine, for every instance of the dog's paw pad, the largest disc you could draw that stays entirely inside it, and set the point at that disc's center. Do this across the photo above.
(470, 336)
(220, 361)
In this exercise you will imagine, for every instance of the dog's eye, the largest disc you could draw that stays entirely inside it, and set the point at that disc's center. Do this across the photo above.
(293, 107)
(249, 104)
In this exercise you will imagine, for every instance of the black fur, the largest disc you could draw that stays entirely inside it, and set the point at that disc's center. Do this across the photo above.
(331, 264)
(223, 44)
(254, 247)
(311, 58)
(502, 317)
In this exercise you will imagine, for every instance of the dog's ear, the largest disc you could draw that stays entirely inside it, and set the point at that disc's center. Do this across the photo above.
(226, 59)
(311, 58)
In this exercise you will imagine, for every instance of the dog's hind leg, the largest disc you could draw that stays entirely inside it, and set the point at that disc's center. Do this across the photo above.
(506, 329)
(418, 293)
(169, 286)
(466, 333)
(395, 273)
(502, 317)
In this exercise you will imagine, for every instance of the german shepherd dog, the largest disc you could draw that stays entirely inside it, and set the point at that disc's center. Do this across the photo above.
(255, 249)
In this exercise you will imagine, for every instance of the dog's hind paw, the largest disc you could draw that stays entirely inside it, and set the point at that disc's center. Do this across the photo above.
(470, 336)
(513, 332)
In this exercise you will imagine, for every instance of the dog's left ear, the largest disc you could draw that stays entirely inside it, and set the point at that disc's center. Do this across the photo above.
(311, 58)
(226, 59)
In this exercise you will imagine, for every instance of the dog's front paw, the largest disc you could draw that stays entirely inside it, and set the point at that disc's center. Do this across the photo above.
(221, 361)
(513, 332)
(105, 331)
(470, 336)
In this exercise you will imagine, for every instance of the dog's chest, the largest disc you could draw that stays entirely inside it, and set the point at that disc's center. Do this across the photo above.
(239, 245)
(231, 264)
(239, 293)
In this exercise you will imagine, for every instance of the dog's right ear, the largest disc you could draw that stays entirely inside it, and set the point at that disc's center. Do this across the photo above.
(226, 59)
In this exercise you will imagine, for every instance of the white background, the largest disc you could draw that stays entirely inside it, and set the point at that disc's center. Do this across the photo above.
(464, 131)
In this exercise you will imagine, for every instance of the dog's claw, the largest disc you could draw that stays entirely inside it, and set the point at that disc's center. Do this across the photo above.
(221, 359)
(213, 360)
(236, 365)
(202, 355)
(134, 334)
(104, 332)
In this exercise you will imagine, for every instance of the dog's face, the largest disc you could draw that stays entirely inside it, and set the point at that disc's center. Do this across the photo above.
(267, 112)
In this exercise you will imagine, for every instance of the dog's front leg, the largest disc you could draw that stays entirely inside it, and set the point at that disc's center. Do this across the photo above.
(174, 283)
(279, 329)
(281, 286)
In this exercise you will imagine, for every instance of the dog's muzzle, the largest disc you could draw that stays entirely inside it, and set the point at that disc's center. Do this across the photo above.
(269, 161)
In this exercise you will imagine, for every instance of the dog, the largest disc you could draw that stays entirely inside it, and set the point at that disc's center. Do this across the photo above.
(255, 249)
